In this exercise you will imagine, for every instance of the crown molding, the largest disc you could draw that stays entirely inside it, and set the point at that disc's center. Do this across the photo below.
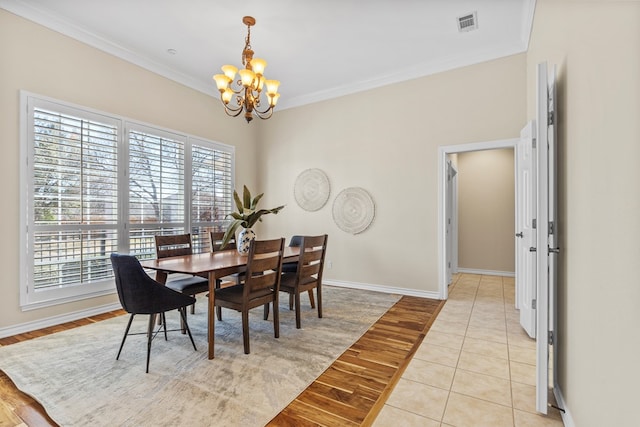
(42, 17)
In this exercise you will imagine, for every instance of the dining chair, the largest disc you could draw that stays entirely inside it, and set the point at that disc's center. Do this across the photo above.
(140, 294)
(308, 274)
(215, 239)
(292, 267)
(178, 245)
(261, 285)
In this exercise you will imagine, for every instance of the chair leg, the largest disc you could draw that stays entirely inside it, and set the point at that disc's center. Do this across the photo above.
(126, 332)
(276, 318)
(218, 308)
(297, 304)
(164, 326)
(266, 311)
(245, 330)
(290, 301)
(193, 308)
(183, 316)
(150, 337)
(319, 293)
(313, 304)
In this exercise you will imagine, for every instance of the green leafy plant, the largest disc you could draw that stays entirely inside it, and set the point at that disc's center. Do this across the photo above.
(247, 215)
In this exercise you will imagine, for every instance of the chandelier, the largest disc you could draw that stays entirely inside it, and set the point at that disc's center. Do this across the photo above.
(249, 86)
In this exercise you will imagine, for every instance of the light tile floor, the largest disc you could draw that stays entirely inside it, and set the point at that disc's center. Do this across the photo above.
(476, 366)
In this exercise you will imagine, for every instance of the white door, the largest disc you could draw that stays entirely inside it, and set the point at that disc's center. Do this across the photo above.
(525, 228)
(547, 230)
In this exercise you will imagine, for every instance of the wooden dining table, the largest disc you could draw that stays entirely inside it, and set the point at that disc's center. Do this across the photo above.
(213, 265)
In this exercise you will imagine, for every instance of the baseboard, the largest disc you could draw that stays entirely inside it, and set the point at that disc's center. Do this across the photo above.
(487, 272)
(69, 317)
(57, 320)
(382, 288)
(567, 419)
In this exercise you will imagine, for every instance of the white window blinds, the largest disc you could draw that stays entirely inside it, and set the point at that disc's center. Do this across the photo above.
(96, 184)
(75, 203)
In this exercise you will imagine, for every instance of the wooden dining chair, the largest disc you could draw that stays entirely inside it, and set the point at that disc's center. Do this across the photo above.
(215, 244)
(178, 245)
(140, 294)
(292, 267)
(308, 274)
(261, 285)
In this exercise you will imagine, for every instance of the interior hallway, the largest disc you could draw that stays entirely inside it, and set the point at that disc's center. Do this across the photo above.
(476, 366)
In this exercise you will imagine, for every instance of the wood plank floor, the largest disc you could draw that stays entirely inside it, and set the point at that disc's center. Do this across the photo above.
(350, 392)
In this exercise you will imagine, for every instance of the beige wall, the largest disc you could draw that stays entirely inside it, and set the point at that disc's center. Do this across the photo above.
(44, 62)
(486, 207)
(386, 141)
(596, 46)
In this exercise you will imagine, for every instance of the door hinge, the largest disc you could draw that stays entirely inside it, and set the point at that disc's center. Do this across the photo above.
(534, 223)
(550, 337)
(551, 227)
(550, 118)
(534, 303)
(533, 142)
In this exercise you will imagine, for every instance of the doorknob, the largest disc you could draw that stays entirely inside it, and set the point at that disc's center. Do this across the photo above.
(554, 250)
(519, 234)
(532, 249)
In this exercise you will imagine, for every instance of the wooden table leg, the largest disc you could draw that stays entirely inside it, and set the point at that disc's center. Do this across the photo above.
(211, 312)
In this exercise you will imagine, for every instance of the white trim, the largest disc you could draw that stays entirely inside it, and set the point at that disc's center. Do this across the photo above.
(443, 151)
(69, 317)
(48, 20)
(487, 272)
(382, 288)
(57, 320)
(415, 72)
(528, 13)
(567, 419)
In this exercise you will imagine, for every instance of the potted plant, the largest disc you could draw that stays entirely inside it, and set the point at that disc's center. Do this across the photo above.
(246, 217)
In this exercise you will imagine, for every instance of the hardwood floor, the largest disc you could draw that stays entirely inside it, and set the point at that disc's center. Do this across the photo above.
(350, 392)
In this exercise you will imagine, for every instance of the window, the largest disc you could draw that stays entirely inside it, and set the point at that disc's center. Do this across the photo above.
(96, 184)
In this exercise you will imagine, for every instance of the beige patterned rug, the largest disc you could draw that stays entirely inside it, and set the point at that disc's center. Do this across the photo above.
(75, 376)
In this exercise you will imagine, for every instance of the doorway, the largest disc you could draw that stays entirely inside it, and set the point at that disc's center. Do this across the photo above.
(447, 249)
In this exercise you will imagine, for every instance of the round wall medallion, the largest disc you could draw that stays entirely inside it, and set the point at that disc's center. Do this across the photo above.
(353, 210)
(311, 189)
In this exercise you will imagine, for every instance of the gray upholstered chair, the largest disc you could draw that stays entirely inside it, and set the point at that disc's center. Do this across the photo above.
(140, 294)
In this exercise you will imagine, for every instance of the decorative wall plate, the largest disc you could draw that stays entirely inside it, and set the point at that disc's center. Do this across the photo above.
(311, 189)
(353, 210)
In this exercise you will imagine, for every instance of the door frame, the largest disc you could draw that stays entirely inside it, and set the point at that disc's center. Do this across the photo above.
(443, 152)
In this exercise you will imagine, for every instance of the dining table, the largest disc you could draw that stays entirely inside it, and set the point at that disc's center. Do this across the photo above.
(213, 265)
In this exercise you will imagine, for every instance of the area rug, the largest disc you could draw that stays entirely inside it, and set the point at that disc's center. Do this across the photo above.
(75, 376)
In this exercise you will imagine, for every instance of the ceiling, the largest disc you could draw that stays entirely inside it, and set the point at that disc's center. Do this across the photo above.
(317, 49)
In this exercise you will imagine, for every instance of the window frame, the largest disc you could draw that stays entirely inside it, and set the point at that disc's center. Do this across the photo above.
(32, 298)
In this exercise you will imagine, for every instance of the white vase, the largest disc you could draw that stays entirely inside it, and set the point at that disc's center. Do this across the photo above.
(244, 240)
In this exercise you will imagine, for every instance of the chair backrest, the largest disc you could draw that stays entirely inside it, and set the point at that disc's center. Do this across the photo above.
(173, 245)
(216, 241)
(139, 293)
(311, 261)
(295, 241)
(264, 266)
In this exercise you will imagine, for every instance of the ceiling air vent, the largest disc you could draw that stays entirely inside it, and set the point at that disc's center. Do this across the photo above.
(467, 22)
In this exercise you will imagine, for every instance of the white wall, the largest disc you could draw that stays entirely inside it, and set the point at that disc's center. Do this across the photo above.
(486, 210)
(596, 46)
